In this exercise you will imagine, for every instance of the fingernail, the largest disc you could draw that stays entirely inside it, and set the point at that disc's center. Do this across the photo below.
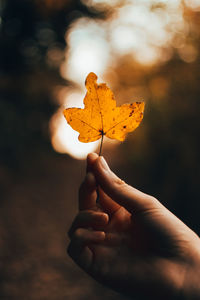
(103, 163)
(100, 235)
(105, 217)
(90, 160)
(91, 157)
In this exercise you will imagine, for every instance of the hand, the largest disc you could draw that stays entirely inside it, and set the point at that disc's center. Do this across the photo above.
(130, 242)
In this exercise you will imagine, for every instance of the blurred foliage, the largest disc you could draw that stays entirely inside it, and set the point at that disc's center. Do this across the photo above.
(31, 51)
(162, 156)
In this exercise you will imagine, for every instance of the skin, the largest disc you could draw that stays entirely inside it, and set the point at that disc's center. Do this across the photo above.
(130, 242)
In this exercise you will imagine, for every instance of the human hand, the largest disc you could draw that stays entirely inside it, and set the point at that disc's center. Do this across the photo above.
(130, 241)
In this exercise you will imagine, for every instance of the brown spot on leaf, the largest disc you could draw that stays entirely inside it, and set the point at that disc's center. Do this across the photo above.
(90, 112)
(131, 113)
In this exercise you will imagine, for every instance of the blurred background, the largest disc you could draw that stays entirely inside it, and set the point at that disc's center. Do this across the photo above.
(144, 50)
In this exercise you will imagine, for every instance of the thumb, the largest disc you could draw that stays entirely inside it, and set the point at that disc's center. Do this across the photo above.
(125, 195)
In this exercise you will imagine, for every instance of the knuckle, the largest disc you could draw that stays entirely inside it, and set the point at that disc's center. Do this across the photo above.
(119, 181)
(78, 234)
(121, 186)
(103, 218)
(152, 200)
(152, 204)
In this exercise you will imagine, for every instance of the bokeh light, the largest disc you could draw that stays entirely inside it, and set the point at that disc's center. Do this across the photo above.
(194, 4)
(87, 51)
(147, 31)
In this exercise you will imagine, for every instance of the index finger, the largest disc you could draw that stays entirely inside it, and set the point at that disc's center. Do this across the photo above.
(123, 194)
(88, 193)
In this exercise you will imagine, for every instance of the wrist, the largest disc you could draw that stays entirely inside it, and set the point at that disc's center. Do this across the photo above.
(191, 284)
(191, 288)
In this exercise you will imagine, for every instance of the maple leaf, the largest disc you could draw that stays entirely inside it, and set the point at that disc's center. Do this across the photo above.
(101, 116)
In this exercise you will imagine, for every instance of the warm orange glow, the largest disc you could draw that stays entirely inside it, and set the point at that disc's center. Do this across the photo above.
(193, 4)
(188, 53)
(52, 4)
(159, 87)
(148, 31)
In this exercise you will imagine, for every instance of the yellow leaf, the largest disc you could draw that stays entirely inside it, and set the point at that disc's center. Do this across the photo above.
(101, 116)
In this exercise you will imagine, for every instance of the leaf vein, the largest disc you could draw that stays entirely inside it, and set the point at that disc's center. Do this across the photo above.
(86, 124)
(116, 125)
(99, 109)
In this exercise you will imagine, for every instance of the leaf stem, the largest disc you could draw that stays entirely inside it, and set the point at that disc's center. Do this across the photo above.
(100, 150)
(101, 145)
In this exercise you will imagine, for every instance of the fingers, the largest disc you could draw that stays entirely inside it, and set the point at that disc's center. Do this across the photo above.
(91, 158)
(83, 238)
(87, 192)
(130, 198)
(89, 219)
(78, 248)
(107, 204)
(82, 256)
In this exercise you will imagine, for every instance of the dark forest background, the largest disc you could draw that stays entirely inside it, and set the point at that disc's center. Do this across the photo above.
(38, 197)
